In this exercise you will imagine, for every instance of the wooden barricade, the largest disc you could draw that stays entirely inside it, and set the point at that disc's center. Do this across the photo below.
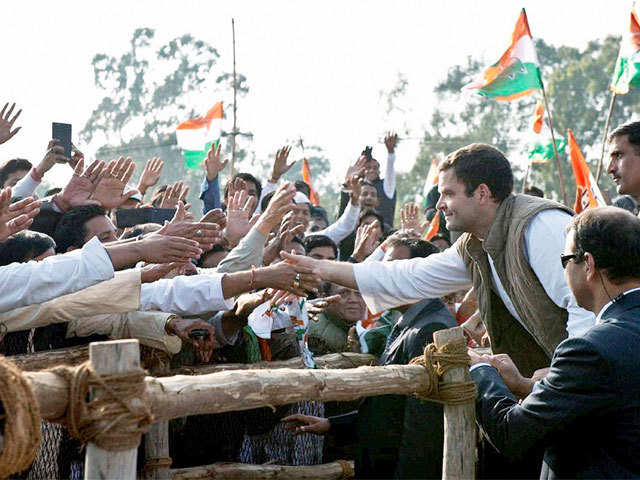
(234, 390)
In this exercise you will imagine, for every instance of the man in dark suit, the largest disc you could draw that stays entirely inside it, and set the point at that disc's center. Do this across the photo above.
(586, 412)
(397, 436)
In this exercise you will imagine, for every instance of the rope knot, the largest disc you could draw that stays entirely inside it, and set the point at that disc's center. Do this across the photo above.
(115, 417)
(438, 361)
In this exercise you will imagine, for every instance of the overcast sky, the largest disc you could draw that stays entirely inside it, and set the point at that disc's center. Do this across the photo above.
(314, 69)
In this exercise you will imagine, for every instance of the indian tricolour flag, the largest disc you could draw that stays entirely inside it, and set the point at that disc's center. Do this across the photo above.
(627, 71)
(195, 136)
(430, 181)
(517, 73)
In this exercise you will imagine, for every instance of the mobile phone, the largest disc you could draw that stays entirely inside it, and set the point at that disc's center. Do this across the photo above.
(130, 217)
(367, 152)
(62, 133)
(199, 334)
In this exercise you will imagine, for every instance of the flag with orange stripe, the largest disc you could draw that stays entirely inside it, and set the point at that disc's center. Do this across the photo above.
(306, 178)
(517, 73)
(589, 194)
(434, 227)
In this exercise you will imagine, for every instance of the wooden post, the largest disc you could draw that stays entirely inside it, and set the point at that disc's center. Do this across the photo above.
(459, 458)
(604, 136)
(156, 447)
(108, 358)
(235, 93)
(563, 191)
(526, 176)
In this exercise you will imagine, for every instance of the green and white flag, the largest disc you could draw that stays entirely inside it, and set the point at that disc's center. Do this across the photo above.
(627, 71)
(196, 136)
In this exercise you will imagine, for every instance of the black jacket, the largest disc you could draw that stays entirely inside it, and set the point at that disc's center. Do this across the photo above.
(586, 412)
(399, 436)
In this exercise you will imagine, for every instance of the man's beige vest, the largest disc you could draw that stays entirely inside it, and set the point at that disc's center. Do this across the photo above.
(531, 342)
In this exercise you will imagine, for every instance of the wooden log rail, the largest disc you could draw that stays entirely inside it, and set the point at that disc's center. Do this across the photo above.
(77, 355)
(235, 390)
(326, 471)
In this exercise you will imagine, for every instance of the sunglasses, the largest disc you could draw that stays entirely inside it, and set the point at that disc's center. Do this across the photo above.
(564, 259)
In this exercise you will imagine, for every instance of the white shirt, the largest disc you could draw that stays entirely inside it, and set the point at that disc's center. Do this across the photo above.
(24, 284)
(604, 309)
(344, 226)
(387, 285)
(26, 185)
(186, 295)
(389, 180)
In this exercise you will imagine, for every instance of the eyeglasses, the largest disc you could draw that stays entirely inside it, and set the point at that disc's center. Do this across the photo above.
(564, 259)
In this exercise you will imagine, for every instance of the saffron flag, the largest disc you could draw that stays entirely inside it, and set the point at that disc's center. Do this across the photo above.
(517, 73)
(434, 227)
(591, 195)
(627, 70)
(196, 135)
(538, 118)
(306, 178)
(430, 181)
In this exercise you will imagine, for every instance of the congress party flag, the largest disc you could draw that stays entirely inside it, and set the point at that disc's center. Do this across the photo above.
(627, 70)
(306, 178)
(585, 183)
(517, 73)
(430, 181)
(196, 135)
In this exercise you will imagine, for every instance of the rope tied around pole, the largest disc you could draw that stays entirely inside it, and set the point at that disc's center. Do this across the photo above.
(347, 469)
(437, 361)
(22, 434)
(116, 416)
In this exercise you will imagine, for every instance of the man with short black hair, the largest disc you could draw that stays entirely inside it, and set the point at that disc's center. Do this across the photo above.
(26, 246)
(13, 171)
(507, 253)
(624, 159)
(320, 247)
(586, 412)
(78, 225)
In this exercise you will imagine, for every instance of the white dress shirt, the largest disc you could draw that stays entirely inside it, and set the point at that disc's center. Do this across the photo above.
(24, 284)
(344, 226)
(387, 285)
(186, 295)
(604, 309)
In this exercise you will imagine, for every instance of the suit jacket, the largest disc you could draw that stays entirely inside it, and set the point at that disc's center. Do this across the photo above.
(586, 412)
(400, 436)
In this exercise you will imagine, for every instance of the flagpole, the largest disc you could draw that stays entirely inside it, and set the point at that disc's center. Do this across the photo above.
(553, 141)
(526, 176)
(235, 92)
(604, 137)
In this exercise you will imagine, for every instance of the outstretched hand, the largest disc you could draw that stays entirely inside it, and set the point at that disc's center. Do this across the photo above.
(110, 191)
(299, 423)
(81, 186)
(212, 163)
(280, 165)
(150, 174)
(6, 123)
(410, 219)
(390, 141)
(18, 216)
(206, 234)
(239, 221)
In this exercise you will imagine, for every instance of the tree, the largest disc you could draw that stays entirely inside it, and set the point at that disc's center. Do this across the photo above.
(148, 91)
(576, 82)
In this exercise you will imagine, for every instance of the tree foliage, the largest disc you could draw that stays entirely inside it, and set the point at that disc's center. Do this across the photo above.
(148, 91)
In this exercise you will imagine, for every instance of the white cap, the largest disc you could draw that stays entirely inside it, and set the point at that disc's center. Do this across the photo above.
(301, 198)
